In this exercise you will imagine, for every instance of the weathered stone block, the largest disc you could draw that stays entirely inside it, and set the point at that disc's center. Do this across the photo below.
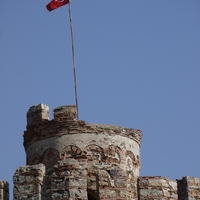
(4, 190)
(157, 188)
(28, 182)
(37, 113)
(63, 113)
(188, 188)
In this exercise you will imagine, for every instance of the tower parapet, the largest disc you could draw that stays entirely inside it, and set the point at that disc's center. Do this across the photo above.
(39, 127)
(63, 113)
(37, 113)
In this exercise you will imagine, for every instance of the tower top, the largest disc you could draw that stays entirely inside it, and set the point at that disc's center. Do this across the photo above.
(37, 113)
(40, 127)
(65, 112)
(40, 112)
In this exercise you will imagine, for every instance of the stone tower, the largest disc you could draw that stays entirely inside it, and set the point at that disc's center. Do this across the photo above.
(71, 159)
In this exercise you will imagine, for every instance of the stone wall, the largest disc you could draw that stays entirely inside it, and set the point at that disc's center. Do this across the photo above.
(69, 180)
(117, 184)
(188, 188)
(156, 187)
(82, 161)
(4, 190)
(28, 182)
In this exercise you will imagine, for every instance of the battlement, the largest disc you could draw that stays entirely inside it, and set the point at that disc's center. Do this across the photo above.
(188, 188)
(71, 159)
(160, 187)
(157, 187)
(65, 113)
(28, 181)
(4, 190)
(39, 127)
(37, 113)
(40, 112)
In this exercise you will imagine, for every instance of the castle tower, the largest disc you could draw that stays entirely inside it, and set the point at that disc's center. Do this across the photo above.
(71, 159)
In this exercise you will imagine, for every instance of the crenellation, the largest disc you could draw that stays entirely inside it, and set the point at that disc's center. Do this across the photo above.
(4, 190)
(189, 188)
(69, 159)
(157, 187)
(69, 180)
(64, 113)
(28, 182)
(37, 113)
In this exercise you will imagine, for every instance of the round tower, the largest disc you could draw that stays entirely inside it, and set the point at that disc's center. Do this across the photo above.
(107, 157)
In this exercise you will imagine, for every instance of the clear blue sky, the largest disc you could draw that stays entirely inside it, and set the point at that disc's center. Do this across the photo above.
(138, 65)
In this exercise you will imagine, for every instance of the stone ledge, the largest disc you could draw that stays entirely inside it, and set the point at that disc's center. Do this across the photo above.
(46, 129)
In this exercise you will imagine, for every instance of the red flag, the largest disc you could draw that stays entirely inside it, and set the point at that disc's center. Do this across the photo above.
(56, 4)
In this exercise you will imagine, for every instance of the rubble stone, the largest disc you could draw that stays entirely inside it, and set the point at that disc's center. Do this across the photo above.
(188, 188)
(4, 190)
(28, 182)
(157, 187)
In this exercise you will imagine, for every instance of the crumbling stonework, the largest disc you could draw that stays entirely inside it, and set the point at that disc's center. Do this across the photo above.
(69, 180)
(188, 188)
(28, 182)
(69, 159)
(4, 190)
(157, 187)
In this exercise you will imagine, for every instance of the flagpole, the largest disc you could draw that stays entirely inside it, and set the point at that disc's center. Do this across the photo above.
(73, 56)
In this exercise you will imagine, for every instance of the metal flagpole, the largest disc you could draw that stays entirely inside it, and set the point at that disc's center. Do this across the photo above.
(73, 56)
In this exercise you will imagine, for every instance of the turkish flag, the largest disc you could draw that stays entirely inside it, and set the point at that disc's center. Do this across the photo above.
(56, 4)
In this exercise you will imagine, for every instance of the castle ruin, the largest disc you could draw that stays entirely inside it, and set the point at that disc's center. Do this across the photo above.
(69, 159)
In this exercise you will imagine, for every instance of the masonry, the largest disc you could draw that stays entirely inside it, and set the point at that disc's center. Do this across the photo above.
(70, 159)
